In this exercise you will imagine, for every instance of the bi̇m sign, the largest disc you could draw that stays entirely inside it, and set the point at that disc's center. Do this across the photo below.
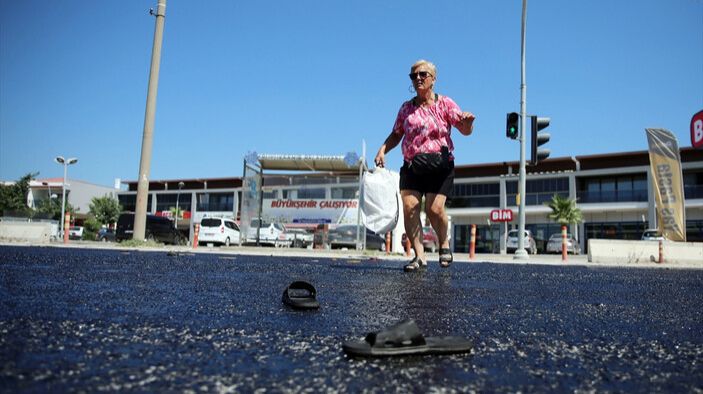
(697, 130)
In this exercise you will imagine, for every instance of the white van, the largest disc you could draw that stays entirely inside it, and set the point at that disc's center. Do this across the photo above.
(218, 231)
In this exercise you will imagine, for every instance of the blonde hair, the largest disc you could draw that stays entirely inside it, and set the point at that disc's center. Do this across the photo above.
(423, 62)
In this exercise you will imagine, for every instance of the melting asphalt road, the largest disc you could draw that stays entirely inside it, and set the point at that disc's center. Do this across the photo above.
(95, 320)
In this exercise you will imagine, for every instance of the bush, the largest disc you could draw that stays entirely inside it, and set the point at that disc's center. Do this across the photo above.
(133, 243)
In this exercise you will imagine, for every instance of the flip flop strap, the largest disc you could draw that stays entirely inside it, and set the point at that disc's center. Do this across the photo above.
(446, 255)
(403, 334)
(302, 285)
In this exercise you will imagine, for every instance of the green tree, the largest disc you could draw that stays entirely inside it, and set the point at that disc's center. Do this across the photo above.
(90, 227)
(105, 209)
(564, 210)
(49, 209)
(13, 198)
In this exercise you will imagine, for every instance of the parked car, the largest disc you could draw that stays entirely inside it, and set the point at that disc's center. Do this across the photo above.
(219, 231)
(344, 236)
(554, 244)
(270, 234)
(652, 234)
(75, 232)
(429, 239)
(530, 244)
(105, 235)
(299, 237)
(158, 228)
(320, 236)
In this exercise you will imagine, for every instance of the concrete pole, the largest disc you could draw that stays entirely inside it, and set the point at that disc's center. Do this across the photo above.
(520, 252)
(147, 138)
(63, 197)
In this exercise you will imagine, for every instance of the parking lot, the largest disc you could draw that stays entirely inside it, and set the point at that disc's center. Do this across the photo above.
(80, 319)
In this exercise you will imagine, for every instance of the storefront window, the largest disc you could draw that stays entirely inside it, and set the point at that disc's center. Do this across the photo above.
(270, 194)
(314, 193)
(622, 230)
(222, 202)
(472, 195)
(344, 192)
(129, 202)
(165, 202)
(538, 191)
(621, 189)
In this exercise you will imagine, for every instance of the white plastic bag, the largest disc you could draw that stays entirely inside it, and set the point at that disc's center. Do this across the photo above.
(381, 203)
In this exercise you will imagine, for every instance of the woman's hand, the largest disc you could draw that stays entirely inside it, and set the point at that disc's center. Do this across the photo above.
(391, 141)
(466, 124)
(380, 159)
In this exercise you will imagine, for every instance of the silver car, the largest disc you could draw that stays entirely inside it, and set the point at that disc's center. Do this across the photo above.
(652, 234)
(530, 244)
(300, 238)
(554, 244)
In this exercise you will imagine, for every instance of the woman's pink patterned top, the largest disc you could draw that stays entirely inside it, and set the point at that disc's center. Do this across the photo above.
(425, 129)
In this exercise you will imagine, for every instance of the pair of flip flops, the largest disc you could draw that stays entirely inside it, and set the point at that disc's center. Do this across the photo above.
(445, 260)
(405, 339)
(301, 295)
(401, 339)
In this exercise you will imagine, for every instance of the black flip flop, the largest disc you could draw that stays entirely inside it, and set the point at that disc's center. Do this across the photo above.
(405, 339)
(300, 295)
(445, 257)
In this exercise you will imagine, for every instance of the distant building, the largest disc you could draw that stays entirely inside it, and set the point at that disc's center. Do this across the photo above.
(78, 194)
(613, 191)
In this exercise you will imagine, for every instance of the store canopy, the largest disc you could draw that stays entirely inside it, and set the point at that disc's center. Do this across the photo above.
(347, 163)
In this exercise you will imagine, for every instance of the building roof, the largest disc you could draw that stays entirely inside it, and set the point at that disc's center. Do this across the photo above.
(348, 163)
(563, 164)
(557, 164)
(189, 184)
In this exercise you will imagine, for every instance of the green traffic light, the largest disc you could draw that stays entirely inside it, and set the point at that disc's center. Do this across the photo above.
(512, 127)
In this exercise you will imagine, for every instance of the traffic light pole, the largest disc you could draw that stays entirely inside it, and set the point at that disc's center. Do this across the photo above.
(520, 252)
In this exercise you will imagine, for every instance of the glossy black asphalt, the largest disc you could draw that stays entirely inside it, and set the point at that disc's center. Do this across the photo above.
(104, 320)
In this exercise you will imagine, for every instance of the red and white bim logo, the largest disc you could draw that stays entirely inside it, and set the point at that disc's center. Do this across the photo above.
(501, 215)
(697, 130)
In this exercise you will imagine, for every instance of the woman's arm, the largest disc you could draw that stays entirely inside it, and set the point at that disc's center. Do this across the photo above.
(466, 124)
(391, 142)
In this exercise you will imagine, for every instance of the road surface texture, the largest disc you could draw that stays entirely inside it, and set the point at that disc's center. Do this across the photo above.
(105, 320)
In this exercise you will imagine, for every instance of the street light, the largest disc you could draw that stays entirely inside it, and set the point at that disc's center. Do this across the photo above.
(65, 163)
(178, 196)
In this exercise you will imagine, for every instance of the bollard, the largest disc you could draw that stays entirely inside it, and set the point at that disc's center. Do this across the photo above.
(564, 252)
(407, 246)
(195, 236)
(472, 245)
(388, 243)
(66, 226)
(661, 252)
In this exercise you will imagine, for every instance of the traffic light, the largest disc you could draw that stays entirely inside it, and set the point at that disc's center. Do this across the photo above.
(511, 127)
(539, 138)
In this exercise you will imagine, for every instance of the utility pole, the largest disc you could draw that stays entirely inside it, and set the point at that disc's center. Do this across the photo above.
(148, 136)
(520, 252)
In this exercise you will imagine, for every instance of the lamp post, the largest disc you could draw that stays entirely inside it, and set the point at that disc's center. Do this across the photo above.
(65, 163)
(178, 196)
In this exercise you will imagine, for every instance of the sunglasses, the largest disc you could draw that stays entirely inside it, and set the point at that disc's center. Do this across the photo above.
(421, 74)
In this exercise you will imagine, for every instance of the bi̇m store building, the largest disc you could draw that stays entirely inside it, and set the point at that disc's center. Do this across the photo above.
(614, 191)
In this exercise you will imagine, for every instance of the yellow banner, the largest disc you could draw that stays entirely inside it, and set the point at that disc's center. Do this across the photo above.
(665, 163)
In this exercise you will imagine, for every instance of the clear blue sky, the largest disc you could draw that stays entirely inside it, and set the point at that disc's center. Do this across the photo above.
(318, 77)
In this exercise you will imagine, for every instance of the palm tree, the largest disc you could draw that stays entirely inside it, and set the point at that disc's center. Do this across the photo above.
(564, 210)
